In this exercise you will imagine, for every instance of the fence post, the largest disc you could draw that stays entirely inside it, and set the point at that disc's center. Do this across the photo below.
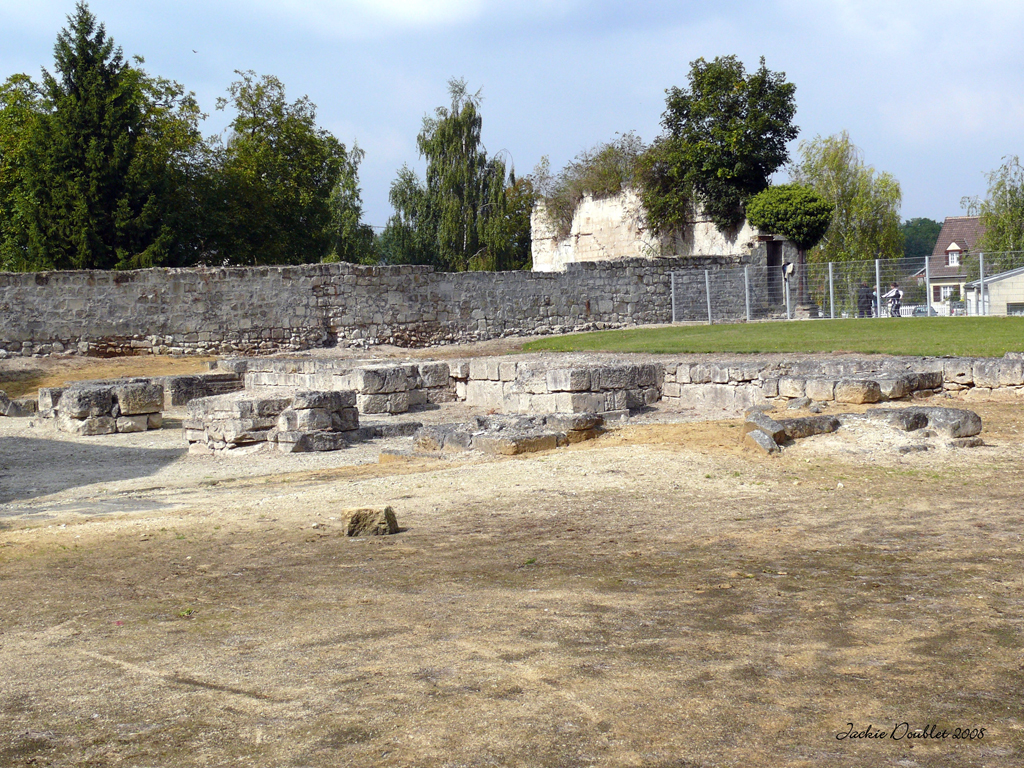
(831, 292)
(746, 289)
(707, 292)
(878, 287)
(789, 310)
(981, 283)
(673, 278)
(928, 285)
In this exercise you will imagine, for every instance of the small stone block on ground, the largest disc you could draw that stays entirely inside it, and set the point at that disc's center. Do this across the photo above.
(760, 442)
(369, 521)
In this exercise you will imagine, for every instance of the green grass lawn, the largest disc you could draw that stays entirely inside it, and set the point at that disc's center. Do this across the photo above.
(922, 336)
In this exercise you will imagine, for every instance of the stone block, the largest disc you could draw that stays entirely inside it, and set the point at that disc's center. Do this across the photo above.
(459, 369)
(512, 445)
(770, 387)
(84, 402)
(699, 374)
(790, 386)
(683, 375)
(369, 521)
(134, 423)
(1010, 373)
(952, 422)
(581, 435)
(822, 390)
(434, 375)
(578, 402)
(395, 402)
(49, 397)
(310, 442)
(758, 420)
(484, 369)
(440, 437)
(958, 370)
(484, 393)
(567, 422)
(345, 420)
(331, 401)
(613, 377)
(898, 387)
(135, 398)
(89, 426)
(797, 429)
(568, 380)
(907, 419)
(507, 371)
(306, 420)
(929, 380)
(760, 442)
(986, 373)
(858, 391)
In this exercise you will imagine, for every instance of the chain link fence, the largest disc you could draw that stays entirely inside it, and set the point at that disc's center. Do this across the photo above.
(977, 284)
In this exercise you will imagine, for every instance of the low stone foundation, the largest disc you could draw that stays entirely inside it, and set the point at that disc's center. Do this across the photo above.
(304, 421)
(131, 405)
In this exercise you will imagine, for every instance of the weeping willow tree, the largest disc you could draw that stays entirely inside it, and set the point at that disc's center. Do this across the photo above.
(470, 212)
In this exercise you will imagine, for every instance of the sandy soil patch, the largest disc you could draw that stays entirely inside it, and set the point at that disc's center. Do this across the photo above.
(657, 597)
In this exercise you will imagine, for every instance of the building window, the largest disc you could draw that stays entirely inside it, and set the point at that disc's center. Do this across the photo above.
(947, 291)
(1015, 310)
(952, 258)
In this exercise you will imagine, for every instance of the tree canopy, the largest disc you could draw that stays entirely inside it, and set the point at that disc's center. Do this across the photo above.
(797, 213)
(866, 219)
(469, 211)
(103, 166)
(919, 237)
(1002, 210)
(725, 135)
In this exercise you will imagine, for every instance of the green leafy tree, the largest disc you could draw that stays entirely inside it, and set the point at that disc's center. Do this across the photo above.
(601, 171)
(96, 163)
(725, 135)
(459, 217)
(1002, 216)
(797, 213)
(866, 219)
(275, 175)
(919, 237)
(351, 239)
(20, 103)
(87, 205)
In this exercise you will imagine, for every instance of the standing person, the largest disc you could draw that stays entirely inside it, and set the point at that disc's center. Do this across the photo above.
(895, 297)
(864, 301)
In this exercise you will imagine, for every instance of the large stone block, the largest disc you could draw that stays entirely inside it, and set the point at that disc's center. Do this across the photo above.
(484, 368)
(822, 390)
(395, 402)
(306, 420)
(377, 379)
(133, 423)
(89, 426)
(345, 420)
(758, 420)
(898, 387)
(434, 374)
(760, 442)
(568, 380)
(986, 373)
(958, 370)
(330, 401)
(790, 386)
(858, 391)
(797, 429)
(139, 397)
(612, 377)
(85, 402)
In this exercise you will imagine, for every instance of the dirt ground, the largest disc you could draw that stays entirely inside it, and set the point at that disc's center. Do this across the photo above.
(657, 597)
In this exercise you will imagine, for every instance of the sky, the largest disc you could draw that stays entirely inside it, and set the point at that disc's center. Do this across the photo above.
(930, 90)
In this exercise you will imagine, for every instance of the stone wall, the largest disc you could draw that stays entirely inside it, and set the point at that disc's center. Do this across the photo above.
(253, 310)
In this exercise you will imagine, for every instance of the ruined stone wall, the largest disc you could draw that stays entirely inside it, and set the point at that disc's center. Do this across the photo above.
(613, 228)
(256, 310)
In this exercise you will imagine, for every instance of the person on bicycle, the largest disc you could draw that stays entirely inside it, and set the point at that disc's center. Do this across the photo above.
(895, 297)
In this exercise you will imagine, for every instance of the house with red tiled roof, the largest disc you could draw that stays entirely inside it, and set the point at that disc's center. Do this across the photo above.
(959, 236)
